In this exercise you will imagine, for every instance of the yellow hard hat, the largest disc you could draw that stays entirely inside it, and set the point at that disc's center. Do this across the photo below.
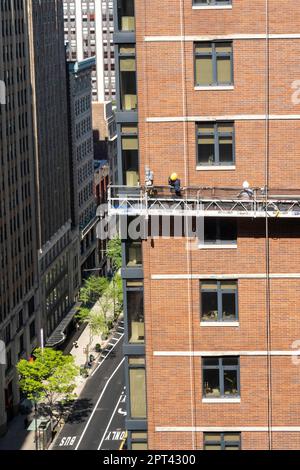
(173, 177)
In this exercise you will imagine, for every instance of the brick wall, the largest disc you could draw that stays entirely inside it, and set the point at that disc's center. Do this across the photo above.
(172, 307)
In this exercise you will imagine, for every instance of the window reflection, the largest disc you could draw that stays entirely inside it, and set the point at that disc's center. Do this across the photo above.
(126, 19)
(128, 78)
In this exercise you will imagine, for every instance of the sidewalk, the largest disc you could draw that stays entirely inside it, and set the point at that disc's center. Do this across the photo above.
(81, 357)
(17, 437)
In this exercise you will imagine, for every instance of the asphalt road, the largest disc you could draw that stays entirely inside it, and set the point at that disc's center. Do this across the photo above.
(97, 421)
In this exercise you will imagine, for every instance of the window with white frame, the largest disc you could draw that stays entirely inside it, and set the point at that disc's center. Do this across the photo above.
(215, 144)
(211, 2)
(219, 301)
(222, 441)
(213, 63)
(221, 377)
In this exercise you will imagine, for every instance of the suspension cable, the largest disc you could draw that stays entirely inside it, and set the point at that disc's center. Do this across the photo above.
(148, 359)
(186, 226)
(267, 230)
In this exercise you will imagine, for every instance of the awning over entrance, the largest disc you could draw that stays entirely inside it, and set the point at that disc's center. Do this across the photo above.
(58, 336)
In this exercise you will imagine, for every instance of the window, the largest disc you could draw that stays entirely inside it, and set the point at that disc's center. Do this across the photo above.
(139, 440)
(215, 144)
(8, 361)
(130, 155)
(32, 332)
(31, 306)
(137, 387)
(220, 231)
(7, 334)
(222, 441)
(133, 253)
(213, 63)
(212, 2)
(21, 347)
(20, 320)
(21, 343)
(128, 78)
(219, 301)
(221, 377)
(126, 20)
(135, 311)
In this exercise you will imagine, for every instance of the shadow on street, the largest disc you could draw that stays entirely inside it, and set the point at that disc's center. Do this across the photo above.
(80, 410)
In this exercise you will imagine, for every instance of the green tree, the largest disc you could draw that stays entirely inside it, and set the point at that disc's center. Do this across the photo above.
(83, 314)
(98, 324)
(114, 252)
(115, 292)
(96, 320)
(50, 379)
(93, 288)
(106, 295)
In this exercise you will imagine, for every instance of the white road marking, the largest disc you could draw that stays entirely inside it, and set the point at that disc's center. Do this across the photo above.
(111, 418)
(98, 401)
(111, 344)
(106, 355)
(67, 441)
(115, 436)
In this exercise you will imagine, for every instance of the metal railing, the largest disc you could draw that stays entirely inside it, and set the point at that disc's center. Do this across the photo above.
(205, 201)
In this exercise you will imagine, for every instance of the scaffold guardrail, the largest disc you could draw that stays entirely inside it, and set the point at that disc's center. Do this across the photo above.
(205, 202)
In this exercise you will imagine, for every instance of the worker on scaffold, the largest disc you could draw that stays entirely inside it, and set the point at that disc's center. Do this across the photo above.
(175, 184)
(247, 192)
(149, 181)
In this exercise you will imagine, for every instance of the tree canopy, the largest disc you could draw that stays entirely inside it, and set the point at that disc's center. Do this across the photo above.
(114, 252)
(93, 288)
(102, 298)
(50, 377)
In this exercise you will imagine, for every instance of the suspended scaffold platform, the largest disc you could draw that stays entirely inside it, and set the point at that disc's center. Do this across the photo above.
(205, 202)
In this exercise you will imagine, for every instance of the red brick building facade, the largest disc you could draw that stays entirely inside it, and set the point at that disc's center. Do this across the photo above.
(217, 104)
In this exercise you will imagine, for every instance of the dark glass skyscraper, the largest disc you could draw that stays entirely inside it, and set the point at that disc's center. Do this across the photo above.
(58, 237)
(18, 244)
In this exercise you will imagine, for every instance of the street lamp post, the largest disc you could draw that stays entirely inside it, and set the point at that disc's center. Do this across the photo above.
(114, 294)
(36, 423)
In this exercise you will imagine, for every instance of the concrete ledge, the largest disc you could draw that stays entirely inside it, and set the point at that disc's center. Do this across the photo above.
(212, 7)
(215, 167)
(214, 88)
(216, 247)
(219, 324)
(221, 400)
